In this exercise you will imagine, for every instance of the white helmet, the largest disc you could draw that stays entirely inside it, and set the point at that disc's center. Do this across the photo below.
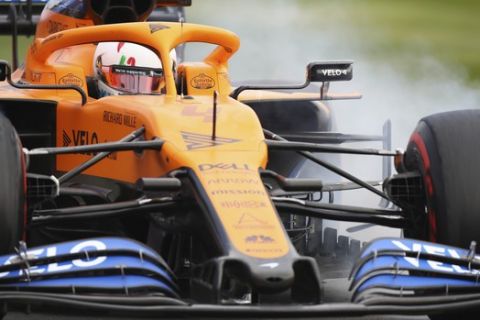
(128, 68)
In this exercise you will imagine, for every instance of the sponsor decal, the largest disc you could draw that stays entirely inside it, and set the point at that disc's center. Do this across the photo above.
(45, 77)
(239, 192)
(333, 72)
(56, 26)
(113, 117)
(207, 115)
(155, 27)
(202, 81)
(250, 221)
(79, 138)
(244, 209)
(52, 37)
(243, 204)
(199, 141)
(128, 120)
(223, 181)
(56, 267)
(434, 250)
(70, 80)
(224, 166)
(66, 139)
(80, 25)
(259, 239)
(36, 76)
(82, 137)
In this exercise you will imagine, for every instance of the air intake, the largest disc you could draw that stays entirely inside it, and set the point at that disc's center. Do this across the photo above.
(120, 11)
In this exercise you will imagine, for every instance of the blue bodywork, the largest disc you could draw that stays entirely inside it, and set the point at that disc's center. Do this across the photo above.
(124, 267)
(404, 264)
(90, 265)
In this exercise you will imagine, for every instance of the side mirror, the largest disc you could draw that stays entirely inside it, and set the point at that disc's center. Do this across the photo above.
(323, 72)
(329, 71)
(4, 70)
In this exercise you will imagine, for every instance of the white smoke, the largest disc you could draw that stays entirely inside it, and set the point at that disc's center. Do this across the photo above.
(280, 37)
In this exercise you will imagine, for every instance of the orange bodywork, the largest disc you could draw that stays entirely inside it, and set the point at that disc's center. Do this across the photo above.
(226, 167)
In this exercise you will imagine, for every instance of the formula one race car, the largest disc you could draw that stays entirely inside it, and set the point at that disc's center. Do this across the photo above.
(152, 187)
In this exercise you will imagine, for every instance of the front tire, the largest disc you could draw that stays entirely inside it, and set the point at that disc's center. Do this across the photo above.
(445, 148)
(12, 187)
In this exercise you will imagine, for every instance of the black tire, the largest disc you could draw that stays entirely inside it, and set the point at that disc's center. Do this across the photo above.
(12, 187)
(445, 148)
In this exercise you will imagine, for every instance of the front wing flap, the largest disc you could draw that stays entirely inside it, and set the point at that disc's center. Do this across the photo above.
(111, 265)
(391, 269)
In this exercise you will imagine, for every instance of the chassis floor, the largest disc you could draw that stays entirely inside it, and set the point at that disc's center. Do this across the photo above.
(335, 289)
(21, 316)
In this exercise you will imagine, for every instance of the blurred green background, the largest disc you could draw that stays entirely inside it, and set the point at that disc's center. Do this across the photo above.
(446, 29)
(6, 47)
(388, 30)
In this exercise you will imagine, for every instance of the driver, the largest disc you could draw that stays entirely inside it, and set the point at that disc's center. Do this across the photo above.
(128, 68)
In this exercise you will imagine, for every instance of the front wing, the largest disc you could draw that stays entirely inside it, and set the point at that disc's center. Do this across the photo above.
(124, 277)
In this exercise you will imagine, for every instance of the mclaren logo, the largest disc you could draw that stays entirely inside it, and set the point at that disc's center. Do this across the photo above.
(199, 141)
(271, 265)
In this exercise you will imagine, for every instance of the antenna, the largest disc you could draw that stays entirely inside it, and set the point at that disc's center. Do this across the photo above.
(214, 127)
(182, 84)
(324, 89)
(181, 20)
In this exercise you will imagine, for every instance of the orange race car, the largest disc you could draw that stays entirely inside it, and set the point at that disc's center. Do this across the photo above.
(134, 182)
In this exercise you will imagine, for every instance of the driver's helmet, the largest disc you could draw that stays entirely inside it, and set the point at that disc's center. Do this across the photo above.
(128, 68)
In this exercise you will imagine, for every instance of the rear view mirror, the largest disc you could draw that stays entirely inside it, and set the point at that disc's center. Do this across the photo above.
(323, 72)
(329, 71)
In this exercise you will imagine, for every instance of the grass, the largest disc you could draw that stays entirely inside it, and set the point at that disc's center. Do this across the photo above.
(445, 29)
(6, 48)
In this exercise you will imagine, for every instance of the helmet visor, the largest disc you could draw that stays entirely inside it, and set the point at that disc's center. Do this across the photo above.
(133, 80)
